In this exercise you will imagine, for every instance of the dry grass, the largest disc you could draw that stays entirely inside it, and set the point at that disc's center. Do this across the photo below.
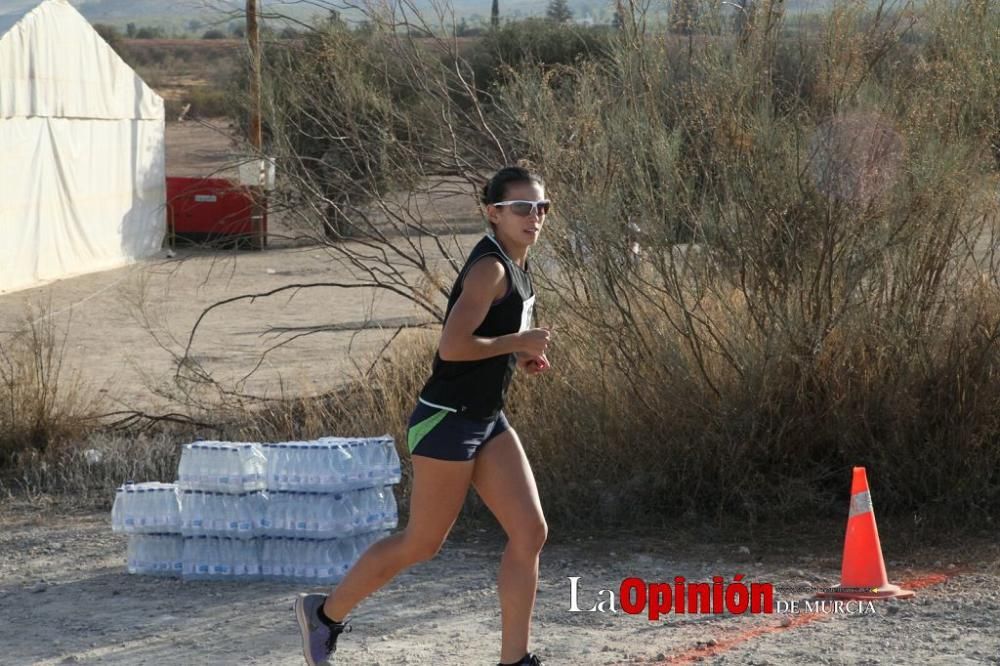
(201, 73)
(42, 406)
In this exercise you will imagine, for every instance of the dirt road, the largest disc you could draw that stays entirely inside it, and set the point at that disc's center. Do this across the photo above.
(65, 598)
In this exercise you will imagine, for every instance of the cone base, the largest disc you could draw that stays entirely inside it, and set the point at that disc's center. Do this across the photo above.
(881, 592)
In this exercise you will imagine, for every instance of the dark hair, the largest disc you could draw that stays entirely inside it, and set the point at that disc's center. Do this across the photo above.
(496, 188)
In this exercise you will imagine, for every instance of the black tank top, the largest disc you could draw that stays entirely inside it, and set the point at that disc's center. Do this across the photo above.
(478, 389)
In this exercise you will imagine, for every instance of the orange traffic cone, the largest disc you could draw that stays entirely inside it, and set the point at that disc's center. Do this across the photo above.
(862, 575)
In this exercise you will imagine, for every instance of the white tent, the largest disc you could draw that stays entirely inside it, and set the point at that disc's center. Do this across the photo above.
(82, 183)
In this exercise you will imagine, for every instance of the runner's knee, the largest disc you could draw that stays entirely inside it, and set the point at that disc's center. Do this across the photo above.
(530, 536)
(421, 549)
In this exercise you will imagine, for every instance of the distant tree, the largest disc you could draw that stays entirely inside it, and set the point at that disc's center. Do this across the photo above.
(130, 30)
(108, 32)
(194, 25)
(495, 14)
(111, 35)
(559, 11)
(617, 20)
(289, 33)
(335, 20)
(237, 30)
(149, 33)
(214, 33)
(683, 16)
(464, 29)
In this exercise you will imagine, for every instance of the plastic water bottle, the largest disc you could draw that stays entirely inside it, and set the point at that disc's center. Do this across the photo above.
(132, 556)
(305, 467)
(298, 556)
(369, 461)
(301, 525)
(270, 452)
(393, 471)
(326, 570)
(347, 554)
(287, 471)
(274, 516)
(357, 475)
(286, 566)
(173, 510)
(343, 508)
(266, 557)
(390, 509)
(336, 464)
(378, 460)
(205, 471)
(281, 467)
(185, 468)
(294, 467)
(193, 565)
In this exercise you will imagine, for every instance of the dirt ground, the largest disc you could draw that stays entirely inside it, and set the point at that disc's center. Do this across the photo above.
(124, 327)
(65, 596)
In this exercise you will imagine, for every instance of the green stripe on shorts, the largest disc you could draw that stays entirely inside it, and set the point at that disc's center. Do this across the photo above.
(420, 430)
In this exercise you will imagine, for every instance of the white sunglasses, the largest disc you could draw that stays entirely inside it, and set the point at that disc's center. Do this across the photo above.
(524, 208)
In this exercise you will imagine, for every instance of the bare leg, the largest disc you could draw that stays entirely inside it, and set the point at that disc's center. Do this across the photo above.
(503, 479)
(439, 490)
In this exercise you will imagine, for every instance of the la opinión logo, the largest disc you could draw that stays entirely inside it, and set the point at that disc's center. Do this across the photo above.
(636, 596)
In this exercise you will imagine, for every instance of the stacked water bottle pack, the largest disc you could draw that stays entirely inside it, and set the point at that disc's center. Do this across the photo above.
(297, 510)
(332, 464)
(222, 467)
(150, 514)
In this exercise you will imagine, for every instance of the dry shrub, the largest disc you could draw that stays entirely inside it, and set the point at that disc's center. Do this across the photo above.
(92, 466)
(42, 406)
(817, 288)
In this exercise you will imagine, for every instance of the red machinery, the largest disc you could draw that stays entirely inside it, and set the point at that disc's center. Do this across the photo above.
(211, 210)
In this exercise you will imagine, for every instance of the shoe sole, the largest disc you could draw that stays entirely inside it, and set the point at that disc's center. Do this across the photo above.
(300, 615)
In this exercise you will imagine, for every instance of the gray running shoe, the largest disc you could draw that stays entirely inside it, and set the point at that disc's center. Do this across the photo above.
(319, 639)
(528, 660)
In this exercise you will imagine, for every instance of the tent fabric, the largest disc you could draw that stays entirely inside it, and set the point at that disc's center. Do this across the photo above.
(53, 63)
(82, 153)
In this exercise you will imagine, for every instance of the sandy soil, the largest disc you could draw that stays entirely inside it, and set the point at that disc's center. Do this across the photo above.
(200, 148)
(65, 598)
(124, 326)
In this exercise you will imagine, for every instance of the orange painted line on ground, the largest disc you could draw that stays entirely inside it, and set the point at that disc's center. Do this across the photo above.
(697, 654)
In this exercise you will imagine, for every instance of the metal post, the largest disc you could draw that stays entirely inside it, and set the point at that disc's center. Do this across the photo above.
(259, 236)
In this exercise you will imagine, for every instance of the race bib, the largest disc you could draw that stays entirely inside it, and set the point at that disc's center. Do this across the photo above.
(527, 311)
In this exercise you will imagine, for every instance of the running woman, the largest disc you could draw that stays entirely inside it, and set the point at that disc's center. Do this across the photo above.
(458, 435)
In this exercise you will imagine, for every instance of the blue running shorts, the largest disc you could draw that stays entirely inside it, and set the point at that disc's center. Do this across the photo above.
(440, 433)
